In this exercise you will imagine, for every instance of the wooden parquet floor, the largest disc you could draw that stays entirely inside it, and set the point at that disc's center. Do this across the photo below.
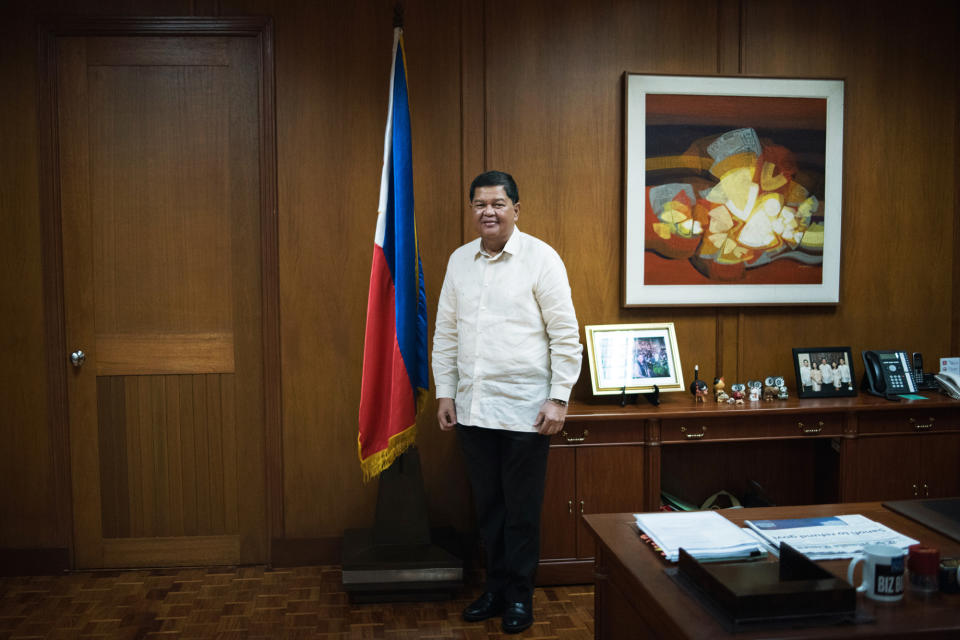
(248, 603)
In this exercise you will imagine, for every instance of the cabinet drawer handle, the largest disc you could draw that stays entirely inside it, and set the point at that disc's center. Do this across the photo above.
(570, 506)
(581, 506)
(694, 436)
(817, 429)
(570, 438)
(923, 427)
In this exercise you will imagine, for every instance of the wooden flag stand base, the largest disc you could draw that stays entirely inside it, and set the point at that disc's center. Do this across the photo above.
(400, 558)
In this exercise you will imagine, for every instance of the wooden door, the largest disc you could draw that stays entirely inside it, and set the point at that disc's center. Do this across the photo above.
(160, 195)
(941, 475)
(609, 480)
(888, 468)
(558, 516)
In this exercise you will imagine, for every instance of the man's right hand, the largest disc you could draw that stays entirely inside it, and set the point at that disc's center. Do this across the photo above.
(446, 413)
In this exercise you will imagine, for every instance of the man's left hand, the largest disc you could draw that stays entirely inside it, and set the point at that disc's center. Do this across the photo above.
(550, 419)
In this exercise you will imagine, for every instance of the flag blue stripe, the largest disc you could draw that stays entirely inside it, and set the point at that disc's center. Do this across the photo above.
(400, 239)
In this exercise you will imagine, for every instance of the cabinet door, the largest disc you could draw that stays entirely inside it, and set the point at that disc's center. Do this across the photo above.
(888, 468)
(558, 520)
(609, 480)
(941, 473)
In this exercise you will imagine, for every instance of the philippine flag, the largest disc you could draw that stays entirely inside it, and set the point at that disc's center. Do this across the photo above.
(395, 378)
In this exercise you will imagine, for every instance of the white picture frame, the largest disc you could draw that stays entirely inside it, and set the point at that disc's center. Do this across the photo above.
(747, 267)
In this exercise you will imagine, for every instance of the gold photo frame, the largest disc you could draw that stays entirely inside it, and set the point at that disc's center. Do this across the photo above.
(633, 358)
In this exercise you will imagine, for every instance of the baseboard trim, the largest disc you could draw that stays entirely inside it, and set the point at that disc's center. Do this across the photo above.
(34, 562)
(556, 572)
(299, 552)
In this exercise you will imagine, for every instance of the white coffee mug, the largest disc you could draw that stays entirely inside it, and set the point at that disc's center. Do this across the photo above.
(882, 572)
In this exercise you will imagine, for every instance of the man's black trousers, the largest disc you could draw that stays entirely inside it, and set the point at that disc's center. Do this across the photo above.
(507, 471)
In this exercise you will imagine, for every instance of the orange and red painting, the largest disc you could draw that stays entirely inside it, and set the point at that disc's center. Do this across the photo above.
(734, 189)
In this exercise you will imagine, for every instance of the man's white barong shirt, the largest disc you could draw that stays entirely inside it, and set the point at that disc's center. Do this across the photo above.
(506, 335)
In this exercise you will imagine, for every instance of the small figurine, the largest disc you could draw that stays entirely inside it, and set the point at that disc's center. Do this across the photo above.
(737, 393)
(770, 389)
(782, 386)
(755, 387)
(718, 390)
(698, 387)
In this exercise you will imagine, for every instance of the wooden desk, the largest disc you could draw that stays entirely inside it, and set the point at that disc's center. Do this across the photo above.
(612, 459)
(635, 599)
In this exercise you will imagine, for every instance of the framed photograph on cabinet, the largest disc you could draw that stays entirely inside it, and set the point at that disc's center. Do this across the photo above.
(824, 372)
(633, 358)
(732, 191)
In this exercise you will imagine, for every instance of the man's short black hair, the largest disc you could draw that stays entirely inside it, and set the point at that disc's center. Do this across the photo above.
(496, 179)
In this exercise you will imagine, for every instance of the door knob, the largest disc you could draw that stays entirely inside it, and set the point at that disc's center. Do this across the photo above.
(77, 358)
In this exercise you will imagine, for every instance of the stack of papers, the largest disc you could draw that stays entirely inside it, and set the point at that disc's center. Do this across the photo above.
(829, 537)
(706, 535)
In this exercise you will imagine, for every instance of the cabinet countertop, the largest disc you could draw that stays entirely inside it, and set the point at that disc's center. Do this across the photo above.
(681, 405)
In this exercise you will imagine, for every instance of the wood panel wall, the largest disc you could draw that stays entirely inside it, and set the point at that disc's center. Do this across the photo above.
(534, 88)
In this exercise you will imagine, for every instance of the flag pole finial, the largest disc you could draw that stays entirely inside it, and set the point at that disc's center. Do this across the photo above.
(398, 15)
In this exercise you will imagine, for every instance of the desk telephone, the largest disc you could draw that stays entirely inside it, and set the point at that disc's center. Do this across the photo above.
(889, 373)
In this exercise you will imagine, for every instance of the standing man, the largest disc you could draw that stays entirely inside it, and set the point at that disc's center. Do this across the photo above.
(826, 371)
(845, 374)
(506, 353)
(805, 374)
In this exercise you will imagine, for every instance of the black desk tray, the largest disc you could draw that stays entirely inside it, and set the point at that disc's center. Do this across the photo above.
(794, 592)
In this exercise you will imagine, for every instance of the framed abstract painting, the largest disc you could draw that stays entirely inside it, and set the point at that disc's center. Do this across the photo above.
(732, 191)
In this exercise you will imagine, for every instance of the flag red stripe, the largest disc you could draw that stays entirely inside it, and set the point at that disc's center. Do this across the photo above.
(386, 391)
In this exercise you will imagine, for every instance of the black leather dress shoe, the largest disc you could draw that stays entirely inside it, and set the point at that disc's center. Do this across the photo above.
(486, 606)
(517, 617)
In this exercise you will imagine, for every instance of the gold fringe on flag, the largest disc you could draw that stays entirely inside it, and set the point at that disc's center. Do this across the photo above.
(381, 460)
(377, 463)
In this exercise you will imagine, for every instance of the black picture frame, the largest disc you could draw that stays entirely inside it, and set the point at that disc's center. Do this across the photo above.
(839, 373)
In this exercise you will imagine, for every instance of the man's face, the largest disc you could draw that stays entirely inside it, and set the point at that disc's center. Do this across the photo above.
(495, 215)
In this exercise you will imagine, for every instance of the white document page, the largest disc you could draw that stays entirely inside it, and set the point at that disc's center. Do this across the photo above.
(829, 537)
(703, 534)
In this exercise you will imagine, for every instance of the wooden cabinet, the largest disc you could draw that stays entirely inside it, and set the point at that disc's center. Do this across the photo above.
(907, 467)
(939, 471)
(756, 426)
(558, 519)
(917, 420)
(616, 459)
(609, 480)
(586, 477)
(902, 454)
(883, 468)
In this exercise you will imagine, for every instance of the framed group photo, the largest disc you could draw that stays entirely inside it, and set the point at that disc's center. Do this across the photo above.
(824, 372)
(633, 358)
